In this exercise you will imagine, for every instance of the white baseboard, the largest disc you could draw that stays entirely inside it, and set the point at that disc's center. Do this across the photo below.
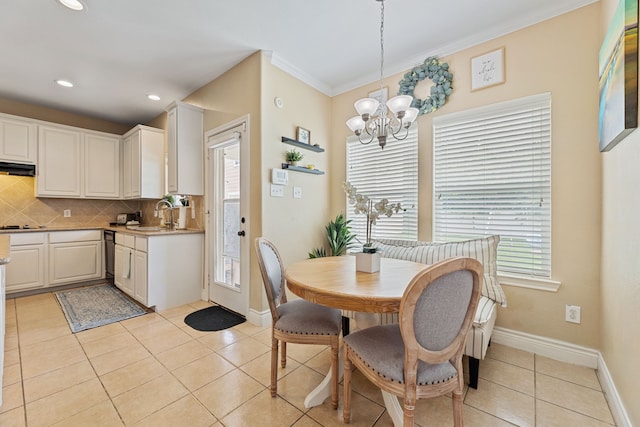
(569, 353)
(260, 318)
(548, 347)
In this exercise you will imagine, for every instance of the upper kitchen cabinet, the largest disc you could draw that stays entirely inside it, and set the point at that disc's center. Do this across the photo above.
(101, 166)
(143, 163)
(60, 162)
(17, 140)
(185, 149)
(75, 163)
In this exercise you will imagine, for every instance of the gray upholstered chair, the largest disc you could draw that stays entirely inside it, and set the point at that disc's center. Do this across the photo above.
(421, 357)
(299, 321)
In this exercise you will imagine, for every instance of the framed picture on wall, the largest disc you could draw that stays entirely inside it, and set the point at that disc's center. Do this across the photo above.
(303, 135)
(487, 69)
(618, 77)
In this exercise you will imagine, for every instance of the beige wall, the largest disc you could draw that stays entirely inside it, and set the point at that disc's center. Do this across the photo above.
(37, 112)
(296, 226)
(619, 287)
(558, 56)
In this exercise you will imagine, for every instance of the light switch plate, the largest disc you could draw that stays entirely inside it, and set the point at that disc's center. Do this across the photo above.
(297, 192)
(277, 190)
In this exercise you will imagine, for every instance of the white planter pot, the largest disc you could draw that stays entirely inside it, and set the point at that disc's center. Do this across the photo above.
(368, 263)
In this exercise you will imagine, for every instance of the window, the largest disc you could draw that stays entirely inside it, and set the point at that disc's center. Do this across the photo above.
(492, 175)
(390, 173)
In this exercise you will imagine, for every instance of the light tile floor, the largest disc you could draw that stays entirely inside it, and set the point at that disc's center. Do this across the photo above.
(154, 370)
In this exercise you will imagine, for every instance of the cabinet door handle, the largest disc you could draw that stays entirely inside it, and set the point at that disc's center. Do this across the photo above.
(241, 233)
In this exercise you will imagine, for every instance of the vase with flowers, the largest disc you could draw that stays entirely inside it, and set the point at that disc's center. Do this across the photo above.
(373, 211)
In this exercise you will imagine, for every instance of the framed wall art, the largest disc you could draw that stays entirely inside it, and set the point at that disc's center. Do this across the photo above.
(487, 69)
(303, 135)
(618, 77)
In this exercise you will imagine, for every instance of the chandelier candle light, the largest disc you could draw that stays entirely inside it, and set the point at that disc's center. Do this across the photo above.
(380, 126)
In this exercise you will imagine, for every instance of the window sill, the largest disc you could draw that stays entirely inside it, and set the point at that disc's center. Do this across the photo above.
(547, 285)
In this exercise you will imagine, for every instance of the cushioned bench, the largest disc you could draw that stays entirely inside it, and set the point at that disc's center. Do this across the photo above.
(485, 251)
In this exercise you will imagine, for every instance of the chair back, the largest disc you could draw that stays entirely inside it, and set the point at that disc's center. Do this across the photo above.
(437, 310)
(272, 274)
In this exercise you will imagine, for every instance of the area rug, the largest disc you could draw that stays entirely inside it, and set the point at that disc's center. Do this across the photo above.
(94, 306)
(213, 318)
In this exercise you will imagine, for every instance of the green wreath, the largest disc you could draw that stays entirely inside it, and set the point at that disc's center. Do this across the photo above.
(439, 73)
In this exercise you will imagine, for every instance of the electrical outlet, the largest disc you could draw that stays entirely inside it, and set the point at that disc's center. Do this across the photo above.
(67, 213)
(277, 190)
(572, 313)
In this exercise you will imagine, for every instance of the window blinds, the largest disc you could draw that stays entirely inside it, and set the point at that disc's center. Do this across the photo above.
(390, 173)
(492, 175)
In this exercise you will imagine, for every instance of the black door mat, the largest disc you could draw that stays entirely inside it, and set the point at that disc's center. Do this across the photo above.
(213, 318)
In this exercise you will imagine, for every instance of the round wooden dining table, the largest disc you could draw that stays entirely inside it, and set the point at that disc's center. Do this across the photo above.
(334, 282)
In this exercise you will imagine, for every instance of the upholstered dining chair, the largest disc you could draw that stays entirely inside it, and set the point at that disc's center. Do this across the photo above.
(421, 357)
(298, 321)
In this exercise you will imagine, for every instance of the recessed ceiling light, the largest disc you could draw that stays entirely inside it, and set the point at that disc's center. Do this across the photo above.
(64, 83)
(73, 4)
(153, 97)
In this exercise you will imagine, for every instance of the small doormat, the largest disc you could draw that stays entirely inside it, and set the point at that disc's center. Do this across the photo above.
(94, 306)
(213, 318)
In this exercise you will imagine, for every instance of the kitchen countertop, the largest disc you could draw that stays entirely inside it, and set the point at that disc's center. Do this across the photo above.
(118, 228)
(5, 254)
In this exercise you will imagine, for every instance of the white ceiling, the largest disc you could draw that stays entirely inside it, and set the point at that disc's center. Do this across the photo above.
(118, 51)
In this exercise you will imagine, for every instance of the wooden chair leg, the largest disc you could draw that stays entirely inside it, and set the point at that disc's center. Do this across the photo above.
(346, 385)
(408, 410)
(274, 366)
(474, 372)
(283, 355)
(457, 409)
(334, 374)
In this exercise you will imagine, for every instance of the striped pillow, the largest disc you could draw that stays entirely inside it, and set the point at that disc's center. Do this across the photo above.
(484, 250)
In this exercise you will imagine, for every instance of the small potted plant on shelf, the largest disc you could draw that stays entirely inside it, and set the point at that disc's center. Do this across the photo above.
(293, 156)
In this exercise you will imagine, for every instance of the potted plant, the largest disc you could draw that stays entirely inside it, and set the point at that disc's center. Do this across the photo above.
(339, 237)
(293, 156)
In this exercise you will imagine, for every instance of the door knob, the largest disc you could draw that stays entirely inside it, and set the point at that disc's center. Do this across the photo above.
(241, 233)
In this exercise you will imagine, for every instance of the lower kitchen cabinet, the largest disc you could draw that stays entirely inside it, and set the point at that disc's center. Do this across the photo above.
(161, 271)
(42, 259)
(27, 267)
(75, 256)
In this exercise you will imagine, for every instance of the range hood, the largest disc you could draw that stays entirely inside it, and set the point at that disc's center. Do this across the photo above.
(7, 168)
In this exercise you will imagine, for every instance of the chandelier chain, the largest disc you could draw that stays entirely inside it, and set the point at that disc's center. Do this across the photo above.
(381, 43)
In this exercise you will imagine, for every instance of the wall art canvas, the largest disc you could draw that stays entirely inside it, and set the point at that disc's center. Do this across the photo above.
(618, 71)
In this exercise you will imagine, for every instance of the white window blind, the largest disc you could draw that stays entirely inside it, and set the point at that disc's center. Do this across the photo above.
(391, 173)
(492, 175)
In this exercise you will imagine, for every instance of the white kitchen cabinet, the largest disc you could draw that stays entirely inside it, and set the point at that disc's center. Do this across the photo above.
(161, 271)
(102, 166)
(140, 269)
(123, 269)
(60, 162)
(18, 140)
(74, 163)
(75, 256)
(143, 163)
(27, 267)
(185, 149)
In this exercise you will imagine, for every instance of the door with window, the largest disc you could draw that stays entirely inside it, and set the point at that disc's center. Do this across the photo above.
(227, 228)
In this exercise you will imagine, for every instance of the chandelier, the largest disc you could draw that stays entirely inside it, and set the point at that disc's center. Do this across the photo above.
(380, 125)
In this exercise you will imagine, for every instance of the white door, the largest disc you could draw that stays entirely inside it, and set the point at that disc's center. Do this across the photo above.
(228, 243)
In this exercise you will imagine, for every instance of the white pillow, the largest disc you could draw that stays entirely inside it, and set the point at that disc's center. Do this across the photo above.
(484, 250)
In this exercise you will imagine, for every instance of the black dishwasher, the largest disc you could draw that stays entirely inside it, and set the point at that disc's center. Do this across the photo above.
(109, 253)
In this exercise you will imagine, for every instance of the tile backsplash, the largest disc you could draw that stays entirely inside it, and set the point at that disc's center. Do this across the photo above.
(19, 206)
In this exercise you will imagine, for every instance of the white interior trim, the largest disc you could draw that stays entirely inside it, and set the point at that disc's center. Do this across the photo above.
(618, 411)
(260, 318)
(529, 282)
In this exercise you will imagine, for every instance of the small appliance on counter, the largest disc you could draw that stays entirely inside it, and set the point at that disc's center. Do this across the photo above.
(126, 218)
